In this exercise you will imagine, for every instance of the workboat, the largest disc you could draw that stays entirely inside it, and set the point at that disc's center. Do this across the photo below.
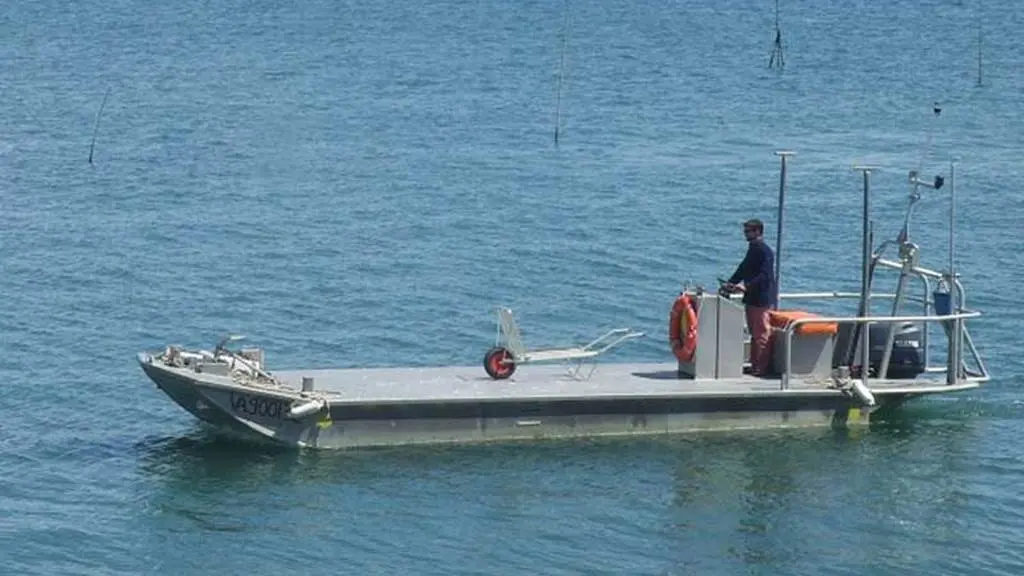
(828, 370)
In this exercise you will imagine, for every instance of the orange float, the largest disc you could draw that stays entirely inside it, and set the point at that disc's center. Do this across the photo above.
(781, 319)
(682, 328)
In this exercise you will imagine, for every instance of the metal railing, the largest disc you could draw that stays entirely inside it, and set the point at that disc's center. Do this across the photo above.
(865, 340)
(927, 301)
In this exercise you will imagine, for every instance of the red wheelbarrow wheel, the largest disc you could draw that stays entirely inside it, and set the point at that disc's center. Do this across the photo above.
(498, 363)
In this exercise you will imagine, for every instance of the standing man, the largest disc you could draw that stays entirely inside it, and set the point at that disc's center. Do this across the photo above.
(757, 274)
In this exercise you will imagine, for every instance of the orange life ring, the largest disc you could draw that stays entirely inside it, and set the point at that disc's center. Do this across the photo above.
(682, 328)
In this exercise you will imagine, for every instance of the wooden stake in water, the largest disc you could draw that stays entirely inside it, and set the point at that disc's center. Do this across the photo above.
(561, 70)
(979, 49)
(777, 57)
(96, 127)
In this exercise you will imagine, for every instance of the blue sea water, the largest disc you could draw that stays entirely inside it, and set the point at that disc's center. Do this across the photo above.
(359, 183)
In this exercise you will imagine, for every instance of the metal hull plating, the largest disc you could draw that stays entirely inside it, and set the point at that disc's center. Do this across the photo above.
(542, 406)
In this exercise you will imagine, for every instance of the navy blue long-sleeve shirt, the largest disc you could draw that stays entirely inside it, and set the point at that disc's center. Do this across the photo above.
(757, 271)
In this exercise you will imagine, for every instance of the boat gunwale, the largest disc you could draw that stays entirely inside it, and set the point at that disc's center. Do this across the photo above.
(332, 396)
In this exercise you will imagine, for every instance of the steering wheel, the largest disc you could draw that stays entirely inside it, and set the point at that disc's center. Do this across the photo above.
(721, 288)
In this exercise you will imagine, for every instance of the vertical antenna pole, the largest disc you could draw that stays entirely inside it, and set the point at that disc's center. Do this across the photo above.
(784, 155)
(954, 350)
(860, 331)
(952, 218)
(866, 241)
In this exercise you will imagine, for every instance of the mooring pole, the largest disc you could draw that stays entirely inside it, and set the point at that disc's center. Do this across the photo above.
(952, 217)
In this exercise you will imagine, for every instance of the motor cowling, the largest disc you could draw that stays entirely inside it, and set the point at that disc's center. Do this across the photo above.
(907, 358)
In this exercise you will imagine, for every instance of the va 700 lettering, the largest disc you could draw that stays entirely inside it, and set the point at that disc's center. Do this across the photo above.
(258, 406)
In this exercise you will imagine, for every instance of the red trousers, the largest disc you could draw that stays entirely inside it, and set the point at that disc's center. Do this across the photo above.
(760, 334)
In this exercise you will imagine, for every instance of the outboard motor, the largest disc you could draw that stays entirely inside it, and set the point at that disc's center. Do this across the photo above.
(907, 359)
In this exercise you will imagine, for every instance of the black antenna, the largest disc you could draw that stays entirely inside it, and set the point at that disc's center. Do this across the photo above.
(561, 69)
(777, 58)
(96, 127)
(936, 111)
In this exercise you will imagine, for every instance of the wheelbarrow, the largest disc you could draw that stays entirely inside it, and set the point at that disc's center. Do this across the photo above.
(508, 352)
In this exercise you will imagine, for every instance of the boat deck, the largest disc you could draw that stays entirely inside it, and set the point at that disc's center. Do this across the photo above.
(552, 382)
